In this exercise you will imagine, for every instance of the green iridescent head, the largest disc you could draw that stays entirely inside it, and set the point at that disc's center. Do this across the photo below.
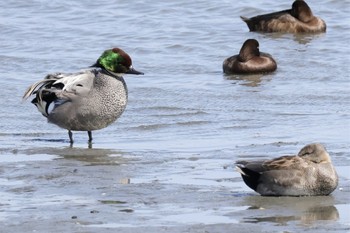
(116, 61)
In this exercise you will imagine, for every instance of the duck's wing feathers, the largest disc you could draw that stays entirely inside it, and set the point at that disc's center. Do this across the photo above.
(59, 88)
(273, 22)
(266, 17)
(288, 162)
(251, 171)
(255, 166)
(284, 176)
(281, 182)
(45, 83)
(272, 177)
(281, 163)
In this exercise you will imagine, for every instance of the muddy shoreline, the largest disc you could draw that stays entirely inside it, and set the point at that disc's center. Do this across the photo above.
(96, 190)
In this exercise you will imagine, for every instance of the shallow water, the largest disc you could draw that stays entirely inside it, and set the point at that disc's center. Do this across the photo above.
(167, 163)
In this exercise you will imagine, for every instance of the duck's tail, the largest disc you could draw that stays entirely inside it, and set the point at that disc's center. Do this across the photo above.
(250, 177)
(44, 95)
(245, 19)
(250, 23)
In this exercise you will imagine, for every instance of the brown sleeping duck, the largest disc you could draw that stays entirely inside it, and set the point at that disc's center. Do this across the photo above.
(299, 19)
(310, 173)
(249, 60)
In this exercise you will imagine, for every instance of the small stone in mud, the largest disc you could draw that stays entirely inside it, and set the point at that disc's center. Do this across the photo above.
(94, 211)
(127, 210)
(112, 202)
(74, 217)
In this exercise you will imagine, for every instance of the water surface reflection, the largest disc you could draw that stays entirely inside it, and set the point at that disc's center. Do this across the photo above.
(281, 210)
(251, 80)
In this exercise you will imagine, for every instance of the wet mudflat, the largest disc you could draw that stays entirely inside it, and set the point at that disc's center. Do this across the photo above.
(98, 190)
(167, 164)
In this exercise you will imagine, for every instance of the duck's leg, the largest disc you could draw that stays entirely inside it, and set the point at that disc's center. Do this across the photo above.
(90, 136)
(70, 134)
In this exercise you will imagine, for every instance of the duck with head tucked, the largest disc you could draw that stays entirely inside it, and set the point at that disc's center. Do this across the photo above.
(310, 173)
(299, 19)
(249, 60)
(88, 100)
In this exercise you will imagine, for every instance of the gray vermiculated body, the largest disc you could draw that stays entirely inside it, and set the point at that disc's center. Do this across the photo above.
(100, 107)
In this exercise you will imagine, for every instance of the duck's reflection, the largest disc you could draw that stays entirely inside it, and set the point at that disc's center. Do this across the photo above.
(281, 210)
(251, 80)
(303, 38)
(320, 213)
(87, 155)
(305, 218)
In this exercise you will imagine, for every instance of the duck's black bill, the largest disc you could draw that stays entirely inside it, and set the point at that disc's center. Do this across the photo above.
(96, 65)
(133, 71)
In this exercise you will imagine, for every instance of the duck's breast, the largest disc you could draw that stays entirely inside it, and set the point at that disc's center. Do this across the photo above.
(326, 179)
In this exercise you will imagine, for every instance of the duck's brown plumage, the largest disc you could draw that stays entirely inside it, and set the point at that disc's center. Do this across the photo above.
(249, 60)
(309, 173)
(299, 19)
